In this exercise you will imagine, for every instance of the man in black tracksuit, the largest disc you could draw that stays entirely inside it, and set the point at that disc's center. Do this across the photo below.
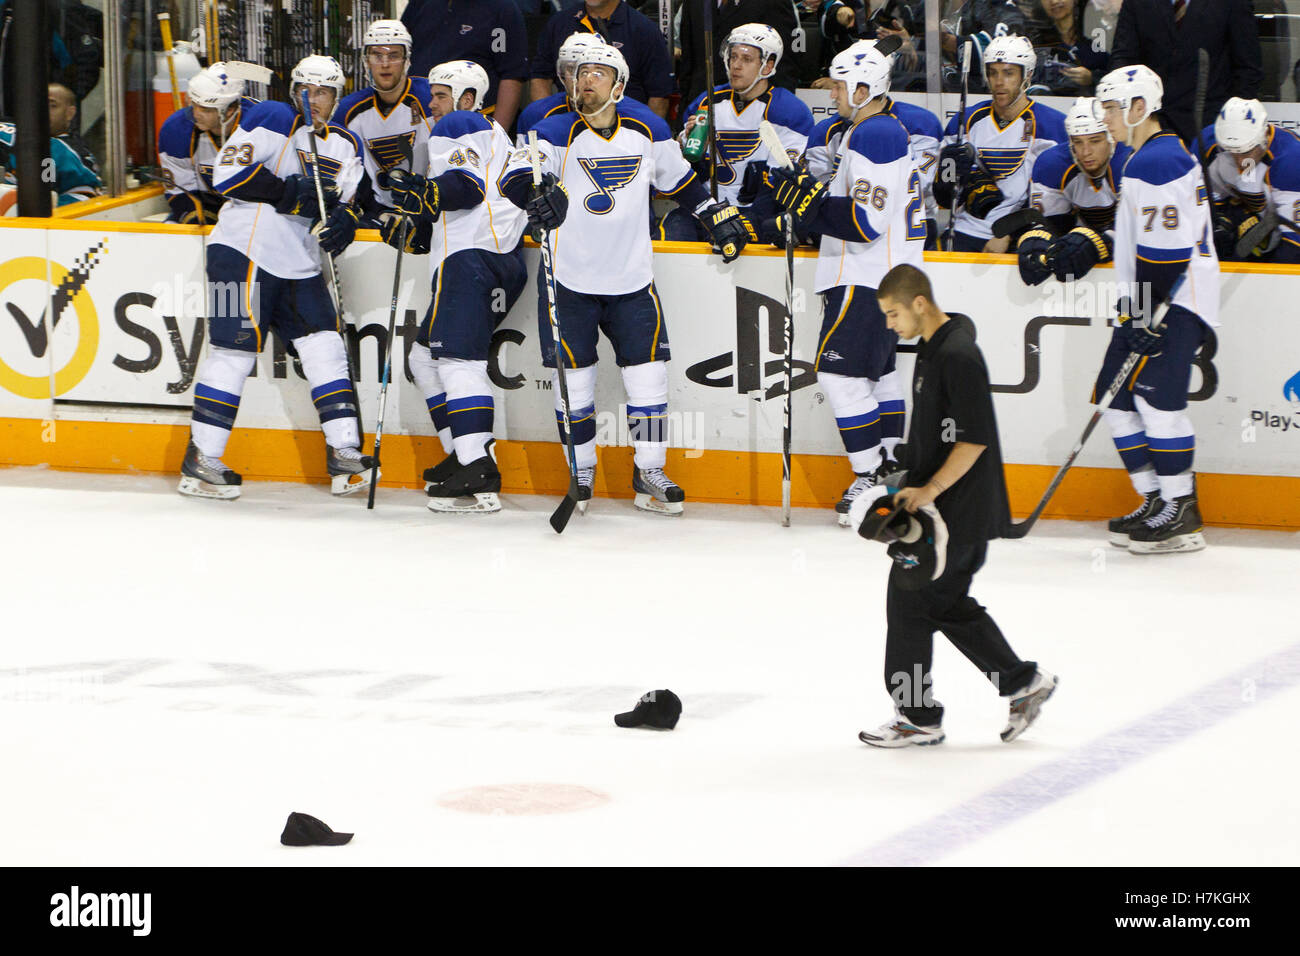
(954, 463)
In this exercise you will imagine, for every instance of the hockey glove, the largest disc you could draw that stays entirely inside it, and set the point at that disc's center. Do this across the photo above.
(798, 191)
(1135, 331)
(729, 231)
(981, 195)
(1257, 237)
(956, 160)
(299, 197)
(1225, 233)
(1076, 252)
(752, 183)
(548, 203)
(1031, 252)
(418, 233)
(414, 195)
(340, 229)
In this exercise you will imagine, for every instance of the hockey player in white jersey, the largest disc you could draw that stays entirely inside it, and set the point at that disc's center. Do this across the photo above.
(871, 217)
(750, 53)
(191, 140)
(392, 117)
(924, 135)
(986, 171)
(1164, 251)
(477, 272)
(566, 63)
(264, 274)
(607, 156)
(1076, 189)
(1254, 168)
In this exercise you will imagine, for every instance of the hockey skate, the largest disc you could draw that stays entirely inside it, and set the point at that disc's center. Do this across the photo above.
(1025, 704)
(1121, 528)
(901, 732)
(473, 489)
(441, 471)
(656, 492)
(349, 470)
(1176, 527)
(204, 477)
(586, 482)
(861, 483)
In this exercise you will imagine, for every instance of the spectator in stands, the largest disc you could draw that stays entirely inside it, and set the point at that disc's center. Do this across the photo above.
(1067, 63)
(489, 32)
(1166, 35)
(640, 41)
(63, 115)
(76, 49)
(727, 15)
(844, 22)
(979, 21)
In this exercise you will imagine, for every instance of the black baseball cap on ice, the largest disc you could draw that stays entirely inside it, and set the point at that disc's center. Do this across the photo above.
(659, 708)
(302, 829)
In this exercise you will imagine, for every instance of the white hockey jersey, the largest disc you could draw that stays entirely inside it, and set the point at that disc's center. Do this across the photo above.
(874, 169)
(1162, 226)
(1275, 178)
(271, 140)
(477, 146)
(187, 155)
(390, 133)
(738, 142)
(1062, 188)
(1008, 153)
(923, 137)
(603, 247)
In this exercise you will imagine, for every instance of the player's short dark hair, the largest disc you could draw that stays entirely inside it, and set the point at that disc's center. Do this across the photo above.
(904, 283)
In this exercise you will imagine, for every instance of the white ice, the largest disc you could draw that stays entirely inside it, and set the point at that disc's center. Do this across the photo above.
(436, 654)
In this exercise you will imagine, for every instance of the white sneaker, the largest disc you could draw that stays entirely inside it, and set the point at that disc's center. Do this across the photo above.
(1025, 705)
(901, 732)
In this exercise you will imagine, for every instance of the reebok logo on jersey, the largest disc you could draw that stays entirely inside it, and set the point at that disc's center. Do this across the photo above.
(734, 147)
(608, 175)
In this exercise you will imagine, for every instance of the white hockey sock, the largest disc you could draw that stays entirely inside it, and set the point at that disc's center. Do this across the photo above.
(325, 363)
(647, 412)
(888, 393)
(857, 416)
(582, 412)
(424, 369)
(470, 406)
(1131, 442)
(219, 385)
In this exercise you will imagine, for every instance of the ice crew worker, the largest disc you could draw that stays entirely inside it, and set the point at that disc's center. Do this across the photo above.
(954, 464)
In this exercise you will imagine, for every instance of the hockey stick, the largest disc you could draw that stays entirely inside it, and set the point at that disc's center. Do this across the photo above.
(709, 54)
(388, 360)
(1021, 528)
(165, 25)
(777, 154)
(946, 245)
(560, 517)
(1017, 221)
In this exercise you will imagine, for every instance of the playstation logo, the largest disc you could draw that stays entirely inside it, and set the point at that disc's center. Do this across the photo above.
(756, 357)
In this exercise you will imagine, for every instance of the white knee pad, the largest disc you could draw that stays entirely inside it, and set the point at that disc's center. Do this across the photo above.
(464, 377)
(227, 369)
(847, 396)
(582, 387)
(1122, 424)
(424, 369)
(1162, 424)
(887, 388)
(323, 356)
(646, 384)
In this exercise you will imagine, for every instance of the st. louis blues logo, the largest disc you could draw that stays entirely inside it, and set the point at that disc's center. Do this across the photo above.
(391, 151)
(205, 173)
(608, 175)
(734, 147)
(329, 168)
(1002, 162)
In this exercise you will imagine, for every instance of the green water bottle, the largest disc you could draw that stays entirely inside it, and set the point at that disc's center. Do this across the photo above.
(697, 141)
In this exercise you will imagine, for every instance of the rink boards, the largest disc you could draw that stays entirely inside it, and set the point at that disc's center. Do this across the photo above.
(129, 333)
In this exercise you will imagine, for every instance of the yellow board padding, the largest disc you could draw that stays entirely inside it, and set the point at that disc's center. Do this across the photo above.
(1089, 494)
(87, 207)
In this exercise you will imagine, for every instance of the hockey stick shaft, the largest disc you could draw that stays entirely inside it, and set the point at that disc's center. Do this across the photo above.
(388, 360)
(165, 25)
(1020, 529)
(709, 54)
(564, 511)
(961, 139)
(777, 154)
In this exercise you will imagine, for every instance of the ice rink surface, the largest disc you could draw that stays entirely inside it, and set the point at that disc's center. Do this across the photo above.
(177, 676)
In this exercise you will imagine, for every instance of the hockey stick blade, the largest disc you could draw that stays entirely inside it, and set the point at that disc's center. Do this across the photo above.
(775, 148)
(889, 46)
(564, 511)
(1017, 221)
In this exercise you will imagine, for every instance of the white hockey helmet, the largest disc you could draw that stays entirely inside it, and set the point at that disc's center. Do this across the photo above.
(387, 33)
(862, 64)
(1082, 118)
(1127, 84)
(462, 76)
(1016, 50)
(759, 35)
(611, 57)
(1240, 126)
(317, 70)
(215, 88)
(574, 46)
